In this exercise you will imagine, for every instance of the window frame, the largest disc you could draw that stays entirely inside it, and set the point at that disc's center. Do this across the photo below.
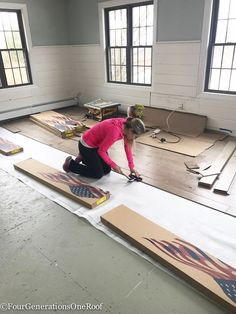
(211, 45)
(24, 49)
(129, 47)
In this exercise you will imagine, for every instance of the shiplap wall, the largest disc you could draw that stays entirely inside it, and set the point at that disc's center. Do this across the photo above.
(52, 84)
(62, 72)
(175, 82)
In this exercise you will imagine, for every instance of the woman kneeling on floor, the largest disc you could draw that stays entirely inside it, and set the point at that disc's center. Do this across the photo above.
(93, 160)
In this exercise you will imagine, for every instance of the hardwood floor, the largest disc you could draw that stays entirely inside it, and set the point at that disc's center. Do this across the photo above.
(160, 168)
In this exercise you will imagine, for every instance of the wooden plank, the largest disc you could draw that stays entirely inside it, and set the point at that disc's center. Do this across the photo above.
(64, 183)
(217, 165)
(226, 178)
(206, 273)
(9, 148)
(57, 123)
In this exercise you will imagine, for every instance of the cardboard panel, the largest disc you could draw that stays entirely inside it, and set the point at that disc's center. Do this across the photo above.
(58, 123)
(64, 183)
(190, 146)
(179, 122)
(8, 148)
(203, 271)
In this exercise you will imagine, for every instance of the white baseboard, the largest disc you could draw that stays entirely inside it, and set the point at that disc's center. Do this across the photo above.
(14, 113)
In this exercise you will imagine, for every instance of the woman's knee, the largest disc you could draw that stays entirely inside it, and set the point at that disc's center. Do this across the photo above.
(107, 170)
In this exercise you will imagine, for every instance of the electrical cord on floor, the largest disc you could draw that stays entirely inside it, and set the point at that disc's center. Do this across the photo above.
(164, 140)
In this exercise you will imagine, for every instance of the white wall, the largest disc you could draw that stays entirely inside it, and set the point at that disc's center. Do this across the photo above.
(176, 81)
(52, 83)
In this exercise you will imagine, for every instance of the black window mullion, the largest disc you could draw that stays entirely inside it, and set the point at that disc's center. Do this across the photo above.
(24, 45)
(212, 38)
(2, 72)
(129, 44)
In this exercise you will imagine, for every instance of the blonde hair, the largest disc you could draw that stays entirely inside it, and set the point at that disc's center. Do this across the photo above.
(136, 125)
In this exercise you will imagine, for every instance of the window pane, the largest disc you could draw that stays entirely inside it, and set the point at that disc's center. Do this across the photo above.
(149, 35)
(112, 38)
(117, 56)
(118, 37)
(21, 58)
(224, 79)
(147, 75)
(6, 21)
(2, 41)
(10, 77)
(143, 36)
(232, 13)
(118, 20)
(118, 73)
(123, 74)
(24, 75)
(14, 21)
(150, 15)
(233, 81)
(123, 56)
(221, 31)
(143, 15)
(135, 56)
(124, 18)
(9, 39)
(112, 56)
(17, 40)
(124, 37)
(14, 60)
(227, 56)
(224, 9)
(135, 16)
(214, 80)
(231, 33)
(17, 76)
(141, 75)
(234, 62)
(141, 56)
(6, 59)
(217, 56)
(136, 36)
(148, 56)
(113, 73)
(135, 74)
(112, 19)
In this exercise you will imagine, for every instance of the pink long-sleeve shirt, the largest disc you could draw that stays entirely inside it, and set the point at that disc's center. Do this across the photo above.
(106, 133)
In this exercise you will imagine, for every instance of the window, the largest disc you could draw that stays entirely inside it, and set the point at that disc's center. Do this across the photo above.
(221, 62)
(129, 39)
(14, 61)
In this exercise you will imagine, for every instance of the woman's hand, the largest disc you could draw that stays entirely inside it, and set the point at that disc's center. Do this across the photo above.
(118, 169)
(135, 172)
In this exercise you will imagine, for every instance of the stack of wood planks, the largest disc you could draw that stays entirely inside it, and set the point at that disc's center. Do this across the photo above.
(222, 172)
(57, 123)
